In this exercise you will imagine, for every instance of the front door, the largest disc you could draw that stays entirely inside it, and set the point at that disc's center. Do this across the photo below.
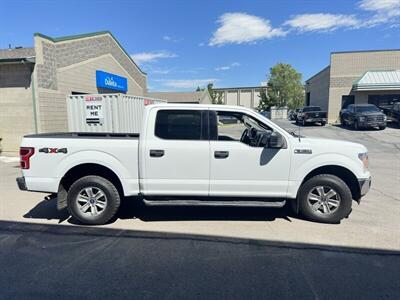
(240, 167)
(176, 154)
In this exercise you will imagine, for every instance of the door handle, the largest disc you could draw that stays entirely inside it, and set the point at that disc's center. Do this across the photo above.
(156, 153)
(221, 154)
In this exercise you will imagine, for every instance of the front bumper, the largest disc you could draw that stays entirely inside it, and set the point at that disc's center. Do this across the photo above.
(365, 185)
(370, 124)
(315, 120)
(21, 183)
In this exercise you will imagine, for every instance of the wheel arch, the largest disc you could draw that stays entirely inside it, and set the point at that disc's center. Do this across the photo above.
(342, 172)
(82, 170)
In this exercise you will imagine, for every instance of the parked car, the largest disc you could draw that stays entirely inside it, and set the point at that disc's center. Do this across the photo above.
(311, 115)
(182, 157)
(393, 113)
(363, 116)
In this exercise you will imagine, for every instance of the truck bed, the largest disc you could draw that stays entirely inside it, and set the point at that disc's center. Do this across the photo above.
(56, 153)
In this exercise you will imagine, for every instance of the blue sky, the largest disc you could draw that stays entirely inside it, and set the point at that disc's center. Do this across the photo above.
(183, 44)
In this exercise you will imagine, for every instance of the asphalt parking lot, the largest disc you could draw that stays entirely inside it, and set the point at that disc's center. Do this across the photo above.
(209, 252)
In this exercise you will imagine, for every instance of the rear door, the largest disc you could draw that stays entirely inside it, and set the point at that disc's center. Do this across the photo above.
(176, 153)
(241, 169)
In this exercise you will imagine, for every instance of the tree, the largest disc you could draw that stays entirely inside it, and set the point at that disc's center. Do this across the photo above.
(265, 101)
(216, 96)
(284, 88)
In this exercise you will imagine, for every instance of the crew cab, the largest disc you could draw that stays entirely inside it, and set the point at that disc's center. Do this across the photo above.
(393, 113)
(185, 156)
(311, 115)
(362, 116)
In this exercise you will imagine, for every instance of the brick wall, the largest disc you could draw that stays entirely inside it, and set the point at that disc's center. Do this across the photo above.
(16, 110)
(63, 67)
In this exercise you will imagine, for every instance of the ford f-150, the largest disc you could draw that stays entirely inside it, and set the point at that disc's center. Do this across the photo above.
(184, 155)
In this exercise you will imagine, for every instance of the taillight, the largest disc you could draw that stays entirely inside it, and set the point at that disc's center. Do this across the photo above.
(25, 154)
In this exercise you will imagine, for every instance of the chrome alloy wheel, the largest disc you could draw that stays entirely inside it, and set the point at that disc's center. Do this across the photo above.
(323, 199)
(91, 201)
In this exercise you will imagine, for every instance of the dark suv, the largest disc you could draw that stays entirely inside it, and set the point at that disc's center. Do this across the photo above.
(362, 116)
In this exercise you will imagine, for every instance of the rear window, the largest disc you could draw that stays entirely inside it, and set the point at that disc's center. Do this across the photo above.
(312, 108)
(179, 124)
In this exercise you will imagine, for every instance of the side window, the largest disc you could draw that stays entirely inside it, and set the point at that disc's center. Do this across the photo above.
(179, 124)
(239, 127)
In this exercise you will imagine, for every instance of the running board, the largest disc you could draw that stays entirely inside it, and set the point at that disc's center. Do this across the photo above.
(214, 203)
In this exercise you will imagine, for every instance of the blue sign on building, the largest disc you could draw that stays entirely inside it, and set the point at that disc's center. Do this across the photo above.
(111, 81)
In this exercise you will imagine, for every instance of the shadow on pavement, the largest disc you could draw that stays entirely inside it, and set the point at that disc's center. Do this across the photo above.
(131, 208)
(72, 262)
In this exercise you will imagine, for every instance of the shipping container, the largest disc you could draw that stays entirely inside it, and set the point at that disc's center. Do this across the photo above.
(107, 112)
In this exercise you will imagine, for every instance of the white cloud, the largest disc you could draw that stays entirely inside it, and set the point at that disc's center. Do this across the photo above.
(380, 5)
(228, 67)
(161, 71)
(168, 38)
(147, 57)
(238, 28)
(322, 22)
(186, 83)
(385, 11)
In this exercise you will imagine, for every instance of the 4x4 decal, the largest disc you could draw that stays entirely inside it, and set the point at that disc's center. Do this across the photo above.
(53, 150)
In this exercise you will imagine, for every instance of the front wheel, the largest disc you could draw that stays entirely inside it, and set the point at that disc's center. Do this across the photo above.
(382, 127)
(93, 200)
(325, 198)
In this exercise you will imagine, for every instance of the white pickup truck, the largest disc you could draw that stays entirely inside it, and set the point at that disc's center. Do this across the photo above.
(196, 155)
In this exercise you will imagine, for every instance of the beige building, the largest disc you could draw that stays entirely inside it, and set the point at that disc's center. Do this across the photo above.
(35, 81)
(242, 96)
(355, 77)
(201, 97)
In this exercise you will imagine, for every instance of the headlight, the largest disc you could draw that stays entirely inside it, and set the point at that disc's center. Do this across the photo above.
(362, 119)
(364, 158)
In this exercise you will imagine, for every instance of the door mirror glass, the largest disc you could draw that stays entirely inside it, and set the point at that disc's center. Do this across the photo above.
(276, 140)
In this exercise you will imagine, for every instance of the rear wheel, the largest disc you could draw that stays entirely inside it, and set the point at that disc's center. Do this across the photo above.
(325, 198)
(93, 200)
(382, 127)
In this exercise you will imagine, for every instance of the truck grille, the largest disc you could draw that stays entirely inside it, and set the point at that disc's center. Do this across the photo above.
(375, 118)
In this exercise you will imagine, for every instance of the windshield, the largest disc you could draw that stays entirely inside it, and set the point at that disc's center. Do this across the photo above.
(364, 109)
(312, 108)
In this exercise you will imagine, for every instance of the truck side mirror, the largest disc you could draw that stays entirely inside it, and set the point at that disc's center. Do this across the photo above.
(276, 140)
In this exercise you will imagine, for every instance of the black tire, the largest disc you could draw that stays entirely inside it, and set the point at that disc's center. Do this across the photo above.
(342, 122)
(323, 123)
(356, 126)
(382, 127)
(112, 200)
(329, 181)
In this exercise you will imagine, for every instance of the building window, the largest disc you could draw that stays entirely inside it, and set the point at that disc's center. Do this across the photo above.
(308, 98)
